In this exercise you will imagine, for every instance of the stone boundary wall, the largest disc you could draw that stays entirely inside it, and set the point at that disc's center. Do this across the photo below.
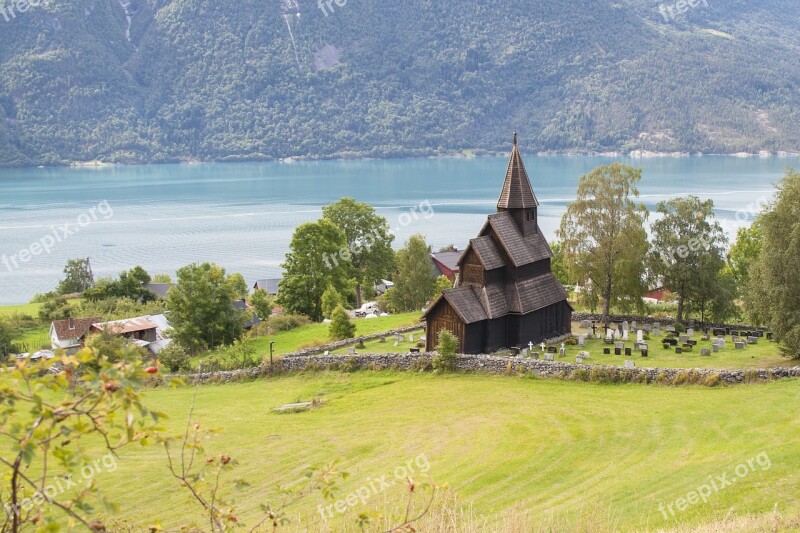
(347, 342)
(577, 317)
(499, 365)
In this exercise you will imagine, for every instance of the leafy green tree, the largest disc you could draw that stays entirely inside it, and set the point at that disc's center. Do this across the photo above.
(201, 310)
(56, 308)
(331, 299)
(238, 286)
(309, 270)
(368, 242)
(603, 235)
(175, 358)
(688, 252)
(162, 278)
(7, 335)
(130, 285)
(773, 293)
(557, 266)
(341, 326)
(78, 277)
(744, 253)
(442, 283)
(262, 304)
(414, 280)
(45, 424)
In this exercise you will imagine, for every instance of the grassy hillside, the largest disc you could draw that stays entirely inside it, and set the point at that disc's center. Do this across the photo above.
(569, 456)
(196, 79)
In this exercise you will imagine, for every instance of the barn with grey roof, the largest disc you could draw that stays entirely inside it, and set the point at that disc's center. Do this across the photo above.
(506, 294)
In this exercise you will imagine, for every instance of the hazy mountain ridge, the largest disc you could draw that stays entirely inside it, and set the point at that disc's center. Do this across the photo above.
(205, 80)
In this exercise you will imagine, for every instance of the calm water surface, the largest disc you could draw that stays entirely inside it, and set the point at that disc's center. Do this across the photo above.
(242, 216)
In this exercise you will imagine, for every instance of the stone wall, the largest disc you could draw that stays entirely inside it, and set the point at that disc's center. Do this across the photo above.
(502, 365)
(349, 342)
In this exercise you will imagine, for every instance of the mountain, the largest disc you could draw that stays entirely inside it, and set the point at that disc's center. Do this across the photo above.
(138, 81)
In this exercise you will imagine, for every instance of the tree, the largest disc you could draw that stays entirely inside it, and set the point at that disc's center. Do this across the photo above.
(55, 308)
(603, 235)
(368, 242)
(441, 284)
(414, 280)
(162, 278)
(557, 266)
(331, 299)
(262, 303)
(201, 310)
(130, 285)
(78, 278)
(688, 252)
(744, 253)
(773, 293)
(341, 326)
(7, 335)
(238, 286)
(448, 248)
(43, 424)
(309, 271)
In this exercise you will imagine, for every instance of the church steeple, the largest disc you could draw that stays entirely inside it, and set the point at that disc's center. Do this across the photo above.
(517, 195)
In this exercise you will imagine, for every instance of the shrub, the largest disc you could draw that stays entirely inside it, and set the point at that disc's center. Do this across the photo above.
(175, 358)
(312, 344)
(341, 326)
(679, 328)
(276, 323)
(750, 376)
(580, 374)
(445, 359)
(681, 378)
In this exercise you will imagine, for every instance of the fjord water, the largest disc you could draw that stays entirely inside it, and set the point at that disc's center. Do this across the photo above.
(242, 215)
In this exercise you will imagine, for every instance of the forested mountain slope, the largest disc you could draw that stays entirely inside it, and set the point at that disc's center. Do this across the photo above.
(260, 79)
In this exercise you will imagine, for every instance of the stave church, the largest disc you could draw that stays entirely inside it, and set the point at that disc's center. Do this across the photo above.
(505, 294)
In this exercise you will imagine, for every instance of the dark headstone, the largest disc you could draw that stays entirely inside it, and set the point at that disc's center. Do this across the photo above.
(678, 349)
(552, 349)
(606, 351)
(645, 353)
(617, 351)
(628, 352)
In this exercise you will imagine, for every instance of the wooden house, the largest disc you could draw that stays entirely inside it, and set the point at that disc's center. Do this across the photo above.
(506, 294)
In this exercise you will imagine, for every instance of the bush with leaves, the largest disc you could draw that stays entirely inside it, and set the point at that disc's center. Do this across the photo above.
(341, 326)
(47, 412)
(55, 308)
(446, 348)
(262, 304)
(175, 358)
(7, 335)
(331, 299)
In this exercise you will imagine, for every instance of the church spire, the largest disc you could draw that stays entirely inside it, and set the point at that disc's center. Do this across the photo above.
(517, 192)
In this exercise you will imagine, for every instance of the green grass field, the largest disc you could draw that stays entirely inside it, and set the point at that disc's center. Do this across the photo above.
(23, 309)
(560, 456)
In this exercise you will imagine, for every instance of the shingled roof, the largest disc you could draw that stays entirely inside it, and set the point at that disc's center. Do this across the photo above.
(534, 294)
(517, 192)
(487, 251)
(521, 249)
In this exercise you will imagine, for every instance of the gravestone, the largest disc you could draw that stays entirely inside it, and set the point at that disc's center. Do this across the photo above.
(769, 335)
(383, 339)
(515, 351)
(739, 345)
(691, 342)
(715, 348)
(619, 345)
(551, 349)
(617, 335)
(628, 352)
(640, 346)
(656, 328)
(586, 324)
(628, 364)
(535, 355)
(687, 347)
(647, 328)
(690, 332)
(548, 357)
(633, 325)
(645, 353)
(752, 340)
(609, 333)
(411, 338)
(414, 350)
(705, 352)
(625, 326)
(585, 355)
(351, 351)
(683, 339)
(423, 338)
(326, 352)
(396, 343)
(735, 338)
(606, 351)
(581, 340)
(563, 350)
(639, 336)
(625, 335)
(579, 359)
(399, 338)
(678, 349)
(691, 322)
(617, 351)
(705, 338)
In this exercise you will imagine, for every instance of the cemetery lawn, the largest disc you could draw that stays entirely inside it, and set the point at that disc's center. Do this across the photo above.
(765, 354)
(573, 456)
